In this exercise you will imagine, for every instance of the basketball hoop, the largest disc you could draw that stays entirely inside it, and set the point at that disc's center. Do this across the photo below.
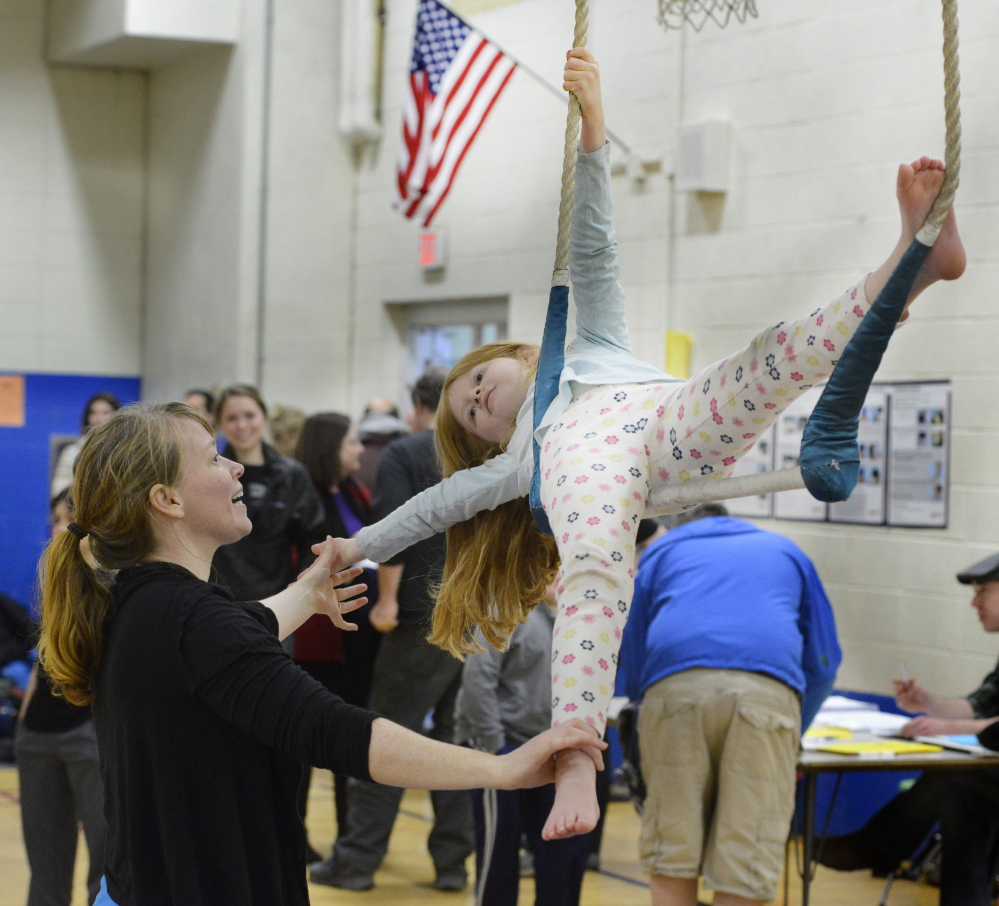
(673, 13)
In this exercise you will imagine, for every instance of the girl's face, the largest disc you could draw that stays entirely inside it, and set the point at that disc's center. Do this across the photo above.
(350, 453)
(242, 423)
(485, 400)
(210, 490)
(100, 411)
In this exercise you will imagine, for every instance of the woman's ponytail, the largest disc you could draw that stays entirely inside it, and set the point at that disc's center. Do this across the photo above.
(75, 605)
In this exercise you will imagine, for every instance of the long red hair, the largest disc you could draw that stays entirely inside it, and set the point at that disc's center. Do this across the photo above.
(498, 564)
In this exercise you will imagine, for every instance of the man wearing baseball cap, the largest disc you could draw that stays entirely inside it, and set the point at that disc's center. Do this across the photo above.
(966, 803)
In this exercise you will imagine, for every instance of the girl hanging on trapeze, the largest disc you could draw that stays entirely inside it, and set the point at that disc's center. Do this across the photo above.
(618, 430)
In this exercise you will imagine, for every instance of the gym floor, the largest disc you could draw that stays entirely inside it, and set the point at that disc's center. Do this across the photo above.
(406, 877)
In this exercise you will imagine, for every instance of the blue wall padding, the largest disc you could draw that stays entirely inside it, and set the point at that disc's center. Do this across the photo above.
(830, 460)
(53, 406)
(550, 363)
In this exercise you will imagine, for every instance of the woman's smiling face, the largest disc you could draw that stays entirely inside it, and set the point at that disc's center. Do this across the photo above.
(242, 422)
(486, 399)
(210, 490)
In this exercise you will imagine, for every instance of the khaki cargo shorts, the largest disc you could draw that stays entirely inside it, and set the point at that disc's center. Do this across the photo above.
(719, 749)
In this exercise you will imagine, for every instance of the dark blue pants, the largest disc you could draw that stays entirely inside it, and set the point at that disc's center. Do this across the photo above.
(559, 865)
(966, 803)
(411, 677)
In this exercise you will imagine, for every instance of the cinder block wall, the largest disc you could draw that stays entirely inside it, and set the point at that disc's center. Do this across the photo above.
(71, 208)
(123, 205)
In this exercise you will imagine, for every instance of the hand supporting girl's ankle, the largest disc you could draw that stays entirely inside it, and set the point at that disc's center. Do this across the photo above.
(575, 810)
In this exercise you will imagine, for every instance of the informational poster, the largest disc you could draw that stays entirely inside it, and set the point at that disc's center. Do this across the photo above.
(919, 454)
(759, 459)
(867, 503)
(11, 400)
(789, 429)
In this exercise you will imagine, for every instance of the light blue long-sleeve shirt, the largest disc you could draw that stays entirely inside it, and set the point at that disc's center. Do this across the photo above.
(599, 354)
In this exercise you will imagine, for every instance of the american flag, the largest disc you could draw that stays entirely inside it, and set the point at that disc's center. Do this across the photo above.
(454, 79)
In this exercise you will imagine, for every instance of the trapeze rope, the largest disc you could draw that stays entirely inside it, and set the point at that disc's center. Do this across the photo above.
(829, 460)
(552, 355)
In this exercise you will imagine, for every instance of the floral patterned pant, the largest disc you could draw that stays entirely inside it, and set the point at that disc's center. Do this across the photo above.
(616, 444)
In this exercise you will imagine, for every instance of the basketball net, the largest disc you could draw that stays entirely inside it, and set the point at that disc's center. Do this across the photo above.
(673, 13)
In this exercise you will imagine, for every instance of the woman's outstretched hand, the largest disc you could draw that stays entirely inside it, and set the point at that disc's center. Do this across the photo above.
(332, 595)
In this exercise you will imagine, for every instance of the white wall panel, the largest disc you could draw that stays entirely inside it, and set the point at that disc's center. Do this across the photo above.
(71, 188)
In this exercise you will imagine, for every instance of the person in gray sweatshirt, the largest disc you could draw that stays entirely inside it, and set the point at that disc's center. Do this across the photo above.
(505, 700)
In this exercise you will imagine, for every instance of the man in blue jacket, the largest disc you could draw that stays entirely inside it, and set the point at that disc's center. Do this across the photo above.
(731, 646)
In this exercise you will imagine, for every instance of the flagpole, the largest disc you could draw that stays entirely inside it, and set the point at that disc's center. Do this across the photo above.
(541, 80)
(558, 92)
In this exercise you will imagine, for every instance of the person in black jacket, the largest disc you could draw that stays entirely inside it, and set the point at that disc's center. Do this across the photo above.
(59, 780)
(284, 510)
(330, 451)
(966, 803)
(411, 676)
(201, 716)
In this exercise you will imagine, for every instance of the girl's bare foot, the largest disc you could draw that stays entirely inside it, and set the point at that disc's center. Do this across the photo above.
(575, 810)
(917, 187)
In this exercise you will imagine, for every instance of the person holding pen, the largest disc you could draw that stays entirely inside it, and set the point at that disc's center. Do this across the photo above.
(966, 803)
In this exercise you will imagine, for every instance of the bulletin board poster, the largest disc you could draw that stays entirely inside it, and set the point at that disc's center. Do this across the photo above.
(919, 457)
(11, 400)
(789, 429)
(757, 460)
(867, 505)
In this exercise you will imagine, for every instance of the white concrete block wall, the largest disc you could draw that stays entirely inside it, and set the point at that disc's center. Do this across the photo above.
(308, 323)
(817, 145)
(204, 166)
(71, 190)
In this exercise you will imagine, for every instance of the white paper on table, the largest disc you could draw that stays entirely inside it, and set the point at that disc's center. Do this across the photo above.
(842, 703)
(879, 723)
(615, 706)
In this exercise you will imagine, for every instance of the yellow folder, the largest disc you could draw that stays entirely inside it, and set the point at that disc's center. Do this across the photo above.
(824, 731)
(881, 747)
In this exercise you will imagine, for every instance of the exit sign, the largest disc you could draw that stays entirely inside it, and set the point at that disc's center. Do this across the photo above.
(433, 249)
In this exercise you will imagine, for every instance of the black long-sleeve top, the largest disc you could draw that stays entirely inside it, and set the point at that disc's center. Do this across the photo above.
(407, 467)
(203, 722)
(287, 519)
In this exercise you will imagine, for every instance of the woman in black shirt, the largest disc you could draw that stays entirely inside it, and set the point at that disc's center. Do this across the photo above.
(60, 781)
(284, 510)
(200, 714)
